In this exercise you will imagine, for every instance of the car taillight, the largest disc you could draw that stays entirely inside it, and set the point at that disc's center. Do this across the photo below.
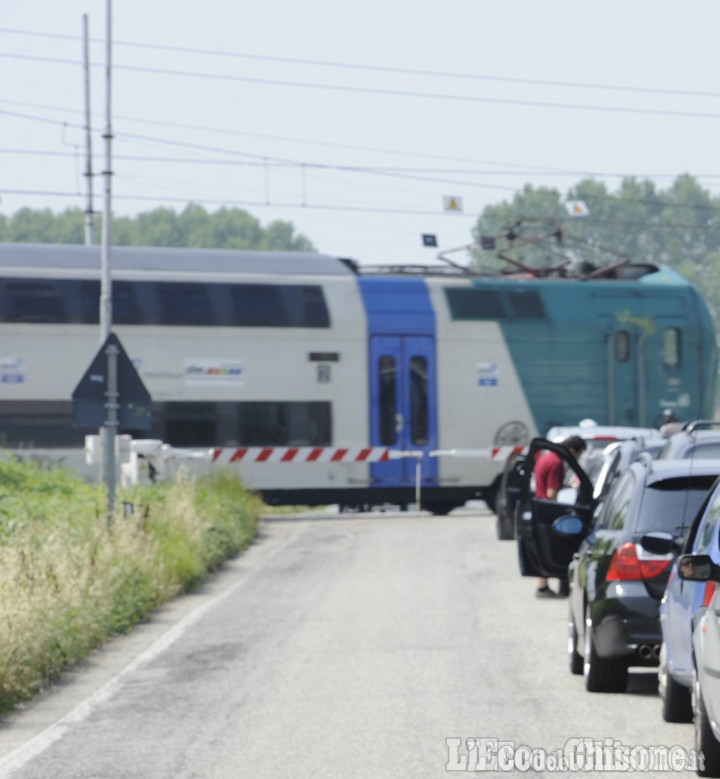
(710, 588)
(633, 563)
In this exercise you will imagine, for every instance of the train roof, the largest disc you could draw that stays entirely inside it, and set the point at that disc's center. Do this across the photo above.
(46, 256)
(76, 258)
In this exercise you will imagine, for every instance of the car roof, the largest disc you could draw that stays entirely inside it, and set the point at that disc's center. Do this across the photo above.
(688, 438)
(601, 432)
(696, 435)
(672, 469)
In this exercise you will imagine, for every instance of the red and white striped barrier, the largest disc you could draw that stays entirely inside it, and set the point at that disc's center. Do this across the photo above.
(338, 454)
(491, 453)
(303, 454)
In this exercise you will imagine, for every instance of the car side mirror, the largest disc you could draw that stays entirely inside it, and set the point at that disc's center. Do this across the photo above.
(698, 568)
(569, 526)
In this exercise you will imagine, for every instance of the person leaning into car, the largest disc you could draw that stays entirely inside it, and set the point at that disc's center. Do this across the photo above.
(549, 478)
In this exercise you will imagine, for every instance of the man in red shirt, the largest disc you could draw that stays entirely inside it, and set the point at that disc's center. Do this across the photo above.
(549, 477)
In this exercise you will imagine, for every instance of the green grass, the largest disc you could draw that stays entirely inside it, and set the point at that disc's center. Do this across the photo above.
(69, 579)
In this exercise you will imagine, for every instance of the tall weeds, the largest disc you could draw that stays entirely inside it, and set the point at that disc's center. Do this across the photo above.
(69, 579)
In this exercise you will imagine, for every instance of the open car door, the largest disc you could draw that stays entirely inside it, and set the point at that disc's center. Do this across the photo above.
(550, 532)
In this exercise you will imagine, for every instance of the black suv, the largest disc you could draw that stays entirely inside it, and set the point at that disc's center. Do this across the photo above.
(616, 584)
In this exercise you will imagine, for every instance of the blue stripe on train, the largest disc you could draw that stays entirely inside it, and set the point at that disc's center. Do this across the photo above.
(399, 312)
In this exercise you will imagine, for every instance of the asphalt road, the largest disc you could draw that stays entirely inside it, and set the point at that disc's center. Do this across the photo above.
(340, 646)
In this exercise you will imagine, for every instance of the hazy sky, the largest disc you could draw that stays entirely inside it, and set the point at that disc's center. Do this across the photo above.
(354, 120)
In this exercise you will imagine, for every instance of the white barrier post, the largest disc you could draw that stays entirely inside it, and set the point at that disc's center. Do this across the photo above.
(418, 455)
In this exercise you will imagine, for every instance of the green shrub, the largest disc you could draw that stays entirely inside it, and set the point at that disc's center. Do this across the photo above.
(69, 579)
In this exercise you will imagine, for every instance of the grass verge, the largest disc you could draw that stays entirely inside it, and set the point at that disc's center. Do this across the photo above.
(69, 579)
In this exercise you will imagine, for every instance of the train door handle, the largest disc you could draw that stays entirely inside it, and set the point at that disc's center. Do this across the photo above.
(399, 423)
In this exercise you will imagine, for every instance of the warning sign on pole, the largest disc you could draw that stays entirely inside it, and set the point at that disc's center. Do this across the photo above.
(452, 203)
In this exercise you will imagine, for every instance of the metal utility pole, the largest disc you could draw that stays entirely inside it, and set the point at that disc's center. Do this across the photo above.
(105, 280)
(111, 423)
(89, 214)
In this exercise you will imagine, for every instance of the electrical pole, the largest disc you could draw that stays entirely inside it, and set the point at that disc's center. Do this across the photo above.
(106, 281)
(89, 216)
(111, 423)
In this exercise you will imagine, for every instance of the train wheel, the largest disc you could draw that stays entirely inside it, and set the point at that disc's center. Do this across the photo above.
(441, 508)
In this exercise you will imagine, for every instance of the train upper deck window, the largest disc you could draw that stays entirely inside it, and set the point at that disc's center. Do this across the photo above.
(314, 312)
(274, 305)
(258, 305)
(32, 300)
(526, 304)
(671, 348)
(183, 303)
(126, 310)
(63, 301)
(473, 303)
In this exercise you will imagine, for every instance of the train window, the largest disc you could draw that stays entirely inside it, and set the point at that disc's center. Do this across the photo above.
(30, 300)
(284, 423)
(39, 423)
(189, 424)
(184, 304)
(314, 310)
(276, 305)
(526, 305)
(473, 303)
(62, 301)
(250, 423)
(671, 348)
(126, 310)
(87, 310)
(622, 346)
(258, 305)
(419, 416)
(387, 397)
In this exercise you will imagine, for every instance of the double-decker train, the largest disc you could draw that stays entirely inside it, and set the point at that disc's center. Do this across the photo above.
(278, 349)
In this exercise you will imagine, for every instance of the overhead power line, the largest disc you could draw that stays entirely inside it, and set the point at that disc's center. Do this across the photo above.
(375, 68)
(360, 90)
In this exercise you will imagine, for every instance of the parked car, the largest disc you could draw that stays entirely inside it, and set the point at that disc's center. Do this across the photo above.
(597, 437)
(683, 601)
(616, 458)
(700, 568)
(698, 439)
(615, 582)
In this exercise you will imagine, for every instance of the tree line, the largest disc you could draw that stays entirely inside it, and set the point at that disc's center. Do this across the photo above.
(678, 227)
(193, 227)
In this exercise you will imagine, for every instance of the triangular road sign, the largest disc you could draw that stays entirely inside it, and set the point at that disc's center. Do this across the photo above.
(90, 395)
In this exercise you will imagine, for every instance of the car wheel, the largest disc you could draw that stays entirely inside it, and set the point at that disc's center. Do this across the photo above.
(602, 674)
(705, 742)
(676, 699)
(576, 659)
(504, 525)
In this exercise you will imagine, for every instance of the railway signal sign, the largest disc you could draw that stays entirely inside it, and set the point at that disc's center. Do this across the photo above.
(452, 203)
(92, 395)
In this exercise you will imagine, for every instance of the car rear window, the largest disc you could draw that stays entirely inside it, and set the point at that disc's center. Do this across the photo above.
(671, 504)
(704, 451)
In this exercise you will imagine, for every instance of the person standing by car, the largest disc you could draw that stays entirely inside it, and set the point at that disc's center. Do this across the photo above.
(671, 424)
(549, 479)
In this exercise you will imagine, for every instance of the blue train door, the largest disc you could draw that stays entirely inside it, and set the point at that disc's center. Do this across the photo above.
(403, 407)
